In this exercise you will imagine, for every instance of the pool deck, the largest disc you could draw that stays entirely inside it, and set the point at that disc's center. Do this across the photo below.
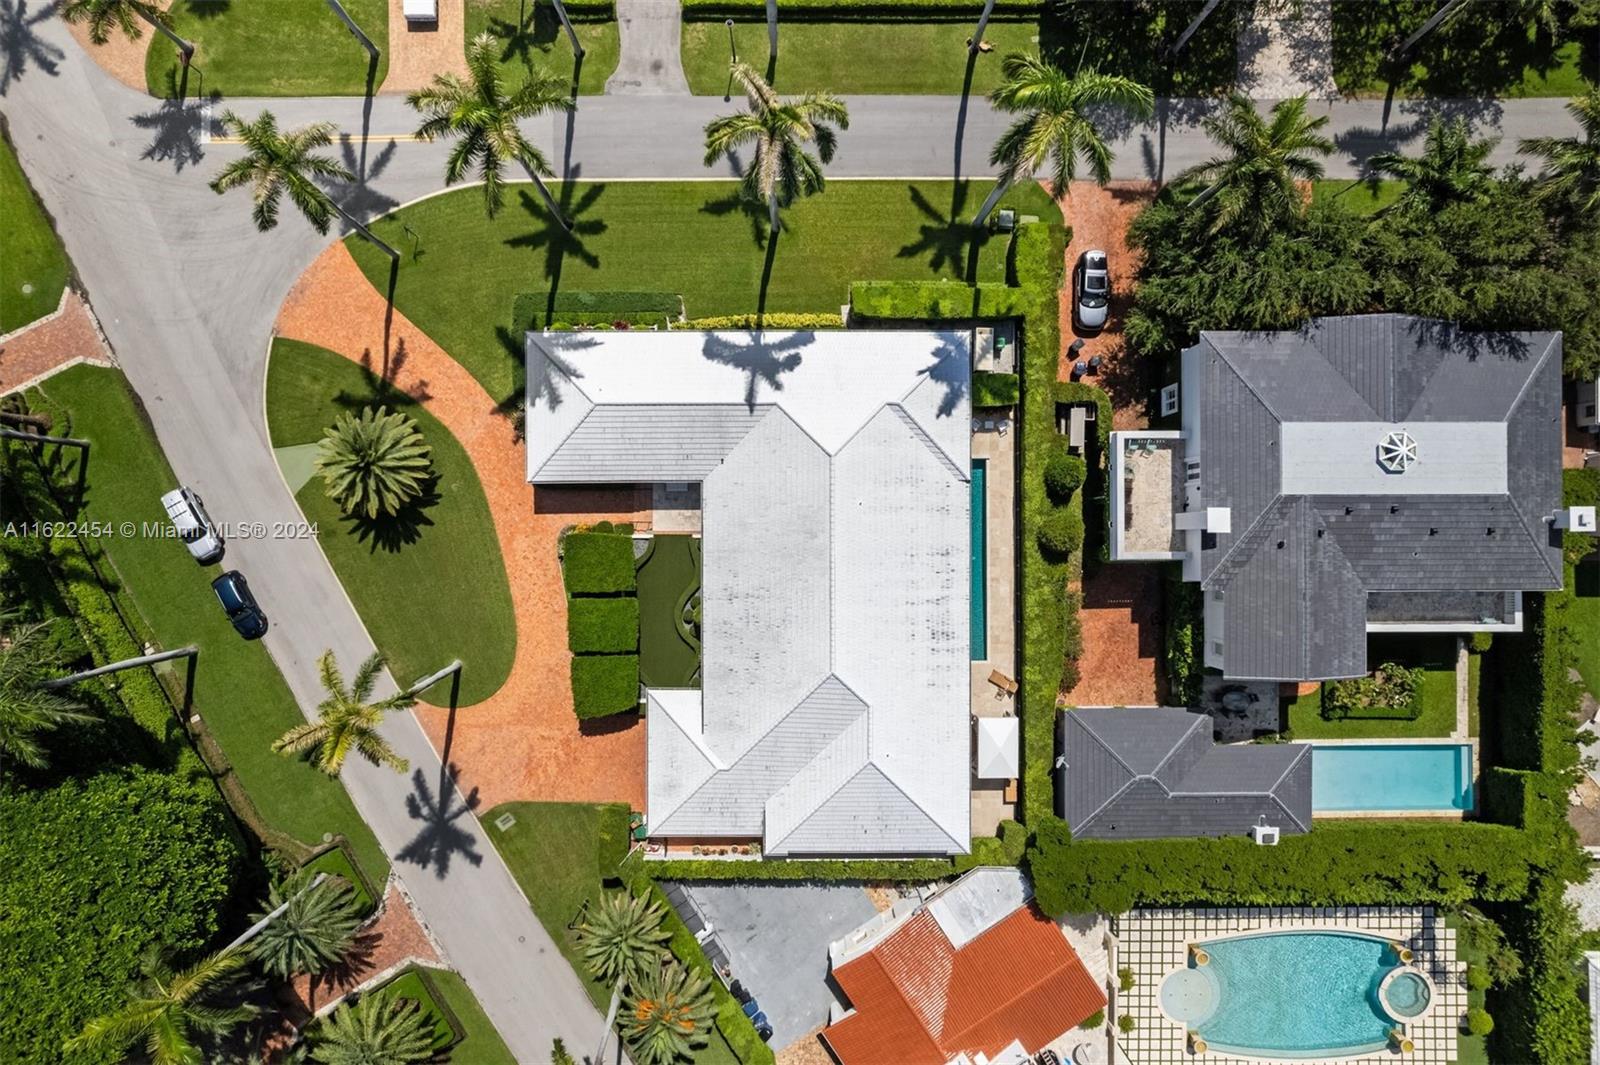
(1154, 942)
(998, 450)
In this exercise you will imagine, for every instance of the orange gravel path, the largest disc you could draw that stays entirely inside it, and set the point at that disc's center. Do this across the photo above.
(121, 58)
(523, 742)
(69, 335)
(419, 51)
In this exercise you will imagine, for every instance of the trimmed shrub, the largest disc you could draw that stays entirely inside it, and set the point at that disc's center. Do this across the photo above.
(1126, 1023)
(1478, 978)
(1124, 980)
(1093, 1021)
(995, 389)
(596, 563)
(1063, 475)
(920, 300)
(603, 685)
(1479, 1022)
(602, 626)
(854, 10)
(1061, 533)
(530, 310)
(765, 321)
(591, 10)
(1480, 642)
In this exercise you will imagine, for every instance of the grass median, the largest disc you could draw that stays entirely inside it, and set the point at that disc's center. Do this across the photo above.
(33, 264)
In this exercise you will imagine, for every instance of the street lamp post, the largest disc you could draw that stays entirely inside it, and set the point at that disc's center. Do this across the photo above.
(733, 53)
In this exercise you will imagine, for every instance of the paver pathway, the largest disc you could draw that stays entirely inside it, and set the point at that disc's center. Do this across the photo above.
(418, 51)
(392, 940)
(523, 742)
(1286, 50)
(61, 339)
(651, 62)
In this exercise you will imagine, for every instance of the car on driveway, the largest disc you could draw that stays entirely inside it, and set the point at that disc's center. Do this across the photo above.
(233, 592)
(194, 526)
(1091, 289)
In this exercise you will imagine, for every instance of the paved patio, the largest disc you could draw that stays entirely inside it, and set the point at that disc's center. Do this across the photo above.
(989, 804)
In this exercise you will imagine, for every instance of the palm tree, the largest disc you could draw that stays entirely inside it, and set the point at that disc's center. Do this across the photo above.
(168, 1009)
(104, 15)
(780, 168)
(1255, 180)
(668, 1015)
(381, 1029)
(1055, 128)
(314, 931)
(346, 721)
(621, 939)
(278, 162)
(1452, 168)
(1571, 164)
(374, 464)
(477, 111)
(26, 709)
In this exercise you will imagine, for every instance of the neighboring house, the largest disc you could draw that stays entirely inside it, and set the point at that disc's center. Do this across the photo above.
(1586, 404)
(975, 974)
(833, 715)
(1136, 773)
(1362, 474)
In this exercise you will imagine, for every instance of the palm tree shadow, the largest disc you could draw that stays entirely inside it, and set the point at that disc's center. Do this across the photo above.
(736, 201)
(441, 838)
(379, 381)
(950, 243)
(19, 45)
(533, 30)
(353, 966)
(177, 126)
(952, 369)
(762, 361)
(391, 532)
(358, 196)
(558, 243)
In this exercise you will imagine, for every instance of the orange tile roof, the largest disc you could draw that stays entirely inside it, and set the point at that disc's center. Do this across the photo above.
(920, 1001)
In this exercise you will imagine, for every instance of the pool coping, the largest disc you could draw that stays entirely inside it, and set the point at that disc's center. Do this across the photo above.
(1406, 815)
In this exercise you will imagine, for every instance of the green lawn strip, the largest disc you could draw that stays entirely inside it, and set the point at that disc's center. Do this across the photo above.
(1470, 1049)
(128, 474)
(459, 276)
(668, 576)
(1362, 197)
(281, 48)
(1474, 679)
(532, 38)
(336, 862)
(929, 57)
(1434, 652)
(445, 562)
(33, 265)
(482, 1045)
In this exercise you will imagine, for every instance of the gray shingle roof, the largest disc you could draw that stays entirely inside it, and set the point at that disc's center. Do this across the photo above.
(1154, 773)
(1296, 567)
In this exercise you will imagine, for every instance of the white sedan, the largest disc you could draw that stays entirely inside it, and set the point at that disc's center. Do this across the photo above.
(1091, 289)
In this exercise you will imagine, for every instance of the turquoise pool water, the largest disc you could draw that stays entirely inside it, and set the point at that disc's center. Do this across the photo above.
(1402, 777)
(980, 567)
(1289, 994)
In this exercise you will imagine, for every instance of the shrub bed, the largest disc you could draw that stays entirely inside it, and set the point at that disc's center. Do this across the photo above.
(1392, 691)
(995, 389)
(1063, 475)
(603, 685)
(602, 626)
(597, 563)
(856, 10)
(531, 310)
(1182, 637)
(765, 321)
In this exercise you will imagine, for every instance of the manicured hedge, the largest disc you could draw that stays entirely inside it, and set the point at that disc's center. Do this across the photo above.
(603, 685)
(591, 10)
(995, 389)
(857, 10)
(1064, 474)
(602, 626)
(1061, 532)
(1183, 636)
(920, 300)
(765, 321)
(96, 871)
(594, 563)
(530, 310)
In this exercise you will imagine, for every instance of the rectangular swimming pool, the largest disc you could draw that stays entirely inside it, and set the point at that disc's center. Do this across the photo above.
(980, 567)
(1385, 777)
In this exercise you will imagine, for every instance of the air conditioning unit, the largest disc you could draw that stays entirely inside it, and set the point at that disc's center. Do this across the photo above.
(1265, 835)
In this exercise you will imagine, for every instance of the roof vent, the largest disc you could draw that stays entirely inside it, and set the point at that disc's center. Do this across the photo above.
(1397, 451)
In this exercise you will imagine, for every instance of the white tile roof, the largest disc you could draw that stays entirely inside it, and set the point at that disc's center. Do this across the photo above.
(833, 712)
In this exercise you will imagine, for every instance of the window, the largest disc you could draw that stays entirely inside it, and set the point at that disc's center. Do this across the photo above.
(1216, 647)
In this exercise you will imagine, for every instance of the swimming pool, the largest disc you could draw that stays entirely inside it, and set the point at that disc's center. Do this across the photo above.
(980, 564)
(1287, 994)
(1398, 777)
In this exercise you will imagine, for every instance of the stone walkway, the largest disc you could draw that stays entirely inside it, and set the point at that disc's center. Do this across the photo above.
(392, 941)
(651, 63)
(523, 742)
(418, 51)
(1286, 49)
(67, 336)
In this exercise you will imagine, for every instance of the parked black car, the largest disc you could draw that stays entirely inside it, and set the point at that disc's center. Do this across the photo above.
(233, 592)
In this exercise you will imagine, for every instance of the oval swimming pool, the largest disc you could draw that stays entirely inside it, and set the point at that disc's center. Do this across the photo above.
(1286, 994)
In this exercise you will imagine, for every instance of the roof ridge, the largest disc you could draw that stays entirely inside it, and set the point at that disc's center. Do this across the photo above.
(887, 776)
(1527, 530)
(1045, 975)
(1133, 777)
(866, 760)
(1527, 382)
(1239, 540)
(922, 434)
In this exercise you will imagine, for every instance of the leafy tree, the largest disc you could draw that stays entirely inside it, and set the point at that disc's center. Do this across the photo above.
(1055, 127)
(102, 16)
(559, 1055)
(346, 721)
(1255, 182)
(1572, 164)
(622, 937)
(380, 1029)
(313, 933)
(780, 169)
(278, 162)
(668, 1014)
(170, 1012)
(27, 710)
(375, 463)
(478, 112)
(1452, 168)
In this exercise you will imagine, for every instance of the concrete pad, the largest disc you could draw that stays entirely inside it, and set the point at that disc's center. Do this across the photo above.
(297, 463)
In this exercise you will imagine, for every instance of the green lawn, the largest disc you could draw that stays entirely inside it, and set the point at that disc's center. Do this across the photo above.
(531, 35)
(1434, 652)
(281, 48)
(430, 585)
(127, 475)
(551, 850)
(33, 265)
(846, 57)
(482, 1045)
(1362, 197)
(462, 270)
(1470, 1049)
(666, 578)
(1584, 580)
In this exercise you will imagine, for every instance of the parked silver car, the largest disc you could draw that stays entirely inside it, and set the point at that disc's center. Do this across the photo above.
(1091, 289)
(194, 526)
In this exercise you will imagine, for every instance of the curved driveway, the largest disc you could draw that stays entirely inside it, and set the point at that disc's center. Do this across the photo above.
(187, 291)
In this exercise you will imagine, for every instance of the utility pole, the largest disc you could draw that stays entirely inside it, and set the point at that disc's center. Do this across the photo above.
(255, 929)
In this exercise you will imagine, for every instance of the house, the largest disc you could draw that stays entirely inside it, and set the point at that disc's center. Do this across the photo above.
(1586, 404)
(976, 973)
(1145, 773)
(834, 470)
(1362, 474)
